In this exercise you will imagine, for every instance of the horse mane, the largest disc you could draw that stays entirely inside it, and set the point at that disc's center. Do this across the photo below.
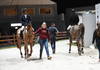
(29, 27)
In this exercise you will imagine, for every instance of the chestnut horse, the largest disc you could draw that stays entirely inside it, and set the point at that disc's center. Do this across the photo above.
(28, 38)
(76, 33)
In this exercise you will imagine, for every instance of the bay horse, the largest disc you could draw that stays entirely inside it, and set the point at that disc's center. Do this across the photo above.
(98, 30)
(28, 38)
(76, 33)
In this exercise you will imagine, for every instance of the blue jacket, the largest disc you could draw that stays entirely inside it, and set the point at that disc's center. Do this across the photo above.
(24, 20)
(52, 30)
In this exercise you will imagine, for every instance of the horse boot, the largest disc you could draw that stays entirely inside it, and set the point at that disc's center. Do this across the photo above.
(25, 56)
(79, 51)
(30, 52)
(70, 46)
(29, 55)
(70, 50)
(21, 54)
(82, 51)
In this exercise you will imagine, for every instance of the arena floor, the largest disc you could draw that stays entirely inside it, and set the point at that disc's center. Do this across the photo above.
(62, 60)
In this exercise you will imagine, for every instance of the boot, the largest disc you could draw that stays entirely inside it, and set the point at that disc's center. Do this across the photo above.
(40, 54)
(49, 58)
(53, 51)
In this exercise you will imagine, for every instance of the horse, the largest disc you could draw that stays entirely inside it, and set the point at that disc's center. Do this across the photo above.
(76, 33)
(28, 38)
(98, 30)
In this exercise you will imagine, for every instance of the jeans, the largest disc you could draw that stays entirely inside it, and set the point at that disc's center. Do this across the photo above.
(99, 50)
(44, 43)
(53, 44)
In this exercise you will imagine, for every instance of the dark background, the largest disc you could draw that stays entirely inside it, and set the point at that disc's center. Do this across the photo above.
(63, 4)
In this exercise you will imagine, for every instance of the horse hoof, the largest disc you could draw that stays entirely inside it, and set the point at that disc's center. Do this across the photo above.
(79, 54)
(28, 55)
(69, 52)
(82, 52)
(25, 57)
(21, 56)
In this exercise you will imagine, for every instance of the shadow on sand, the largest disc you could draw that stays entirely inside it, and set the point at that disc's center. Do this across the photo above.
(37, 60)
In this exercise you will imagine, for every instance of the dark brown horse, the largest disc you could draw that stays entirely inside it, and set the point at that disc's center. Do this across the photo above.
(28, 38)
(98, 30)
(76, 33)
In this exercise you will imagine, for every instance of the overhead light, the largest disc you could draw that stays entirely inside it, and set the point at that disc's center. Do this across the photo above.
(16, 24)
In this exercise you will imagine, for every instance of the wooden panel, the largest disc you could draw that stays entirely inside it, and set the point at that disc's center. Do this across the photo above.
(45, 11)
(10, 12)
(30, 11)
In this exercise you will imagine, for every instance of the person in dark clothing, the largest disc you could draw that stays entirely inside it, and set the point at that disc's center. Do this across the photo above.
(74, 19)
(52, 31)
(25, 20)
(96, 36)
(43, 39)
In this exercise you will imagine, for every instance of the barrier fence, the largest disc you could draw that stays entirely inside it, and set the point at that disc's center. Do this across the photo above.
(11, 39)
(7, 40)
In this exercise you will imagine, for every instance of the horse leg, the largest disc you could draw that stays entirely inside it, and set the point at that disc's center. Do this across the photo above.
(26, 49)
(82, 46)
(79, 48)
(70, 42)
(31, 44)
(19, 47)
(20, 50)
(21, 53)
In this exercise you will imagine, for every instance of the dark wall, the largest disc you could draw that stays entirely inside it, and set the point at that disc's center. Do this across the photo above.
(63, 4)
(71, 18)
(37, 19)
